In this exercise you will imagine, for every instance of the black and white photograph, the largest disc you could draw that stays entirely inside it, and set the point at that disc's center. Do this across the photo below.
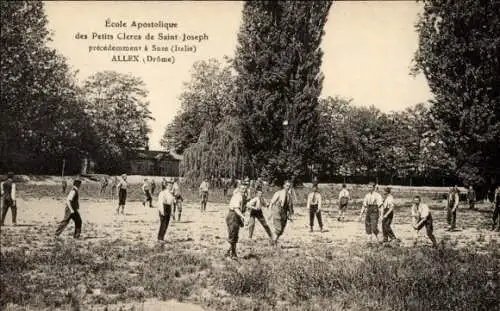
(250, 155)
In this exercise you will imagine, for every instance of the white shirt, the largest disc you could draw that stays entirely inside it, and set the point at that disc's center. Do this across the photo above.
(13, 192)
(256, 203)
(344, 193)
(388, 202)
(122, 184)
(165, 198)
(236, 200)
(280, 196)
(145, 187)
(314, 198)
(176, 190)
(372, 198)
(421, 211)
(204, 186)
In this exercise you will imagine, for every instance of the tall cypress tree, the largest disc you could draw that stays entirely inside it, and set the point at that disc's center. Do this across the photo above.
(459, 44)
(278, 61)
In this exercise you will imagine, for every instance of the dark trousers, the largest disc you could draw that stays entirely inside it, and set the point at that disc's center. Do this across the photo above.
(148, 198)
(234, 223)
(496, 217)
(164, 221)
(257, 214)
(8, 203)
(429, 229)
(471, 204)
(386, 227)
(371, 220)
(314, 211)
(451, 217)
(75, 216)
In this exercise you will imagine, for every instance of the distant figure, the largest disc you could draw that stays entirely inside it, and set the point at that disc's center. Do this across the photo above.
(204, 187)
(344, 198)
(259, 185)
(176, 191)
(122, 193)
(496, 212)
(165, 202)
(71, 211)
(104, 185)
(471, 197)
(146, 190)
(372, 204)
(114, 185)
(225, 186)
(282, 209)
(422, 218)
(153, 186)
(453, 199)
(64, 184)
(8, 194)
(387, 216)
(314, 207)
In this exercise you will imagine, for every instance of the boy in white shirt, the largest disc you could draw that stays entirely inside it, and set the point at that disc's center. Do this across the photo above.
(314, 207)
(372, 204)
(422, 218)
(165, 203)
(387, 215)
(344, 198)
(235, 220)
(255, 205)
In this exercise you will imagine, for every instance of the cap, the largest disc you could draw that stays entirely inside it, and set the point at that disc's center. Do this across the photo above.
(387, 190)
(77, 181)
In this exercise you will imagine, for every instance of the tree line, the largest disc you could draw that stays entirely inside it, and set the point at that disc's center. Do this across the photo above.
(260, 114)
(48, 117)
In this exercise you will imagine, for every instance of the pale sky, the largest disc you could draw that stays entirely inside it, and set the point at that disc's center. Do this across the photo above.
(368, 47)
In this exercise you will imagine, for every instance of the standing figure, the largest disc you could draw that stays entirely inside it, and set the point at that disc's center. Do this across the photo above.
(204, 187)
(496, 212)
(225, 186)
(8, 194)
(372, 204)
(471, 197)
(146, 190)
(153, 186)
(314, 207)
(281, 209)
(258, 185)
(255, 205)
(176, 191)
(165, 203)
(422, 218)
(453, 199)
(64, 184)
(114, 185)
(234, 220)
(122, 193)
(344, 198)
(71, 211)
(387, 216)
(104, 185)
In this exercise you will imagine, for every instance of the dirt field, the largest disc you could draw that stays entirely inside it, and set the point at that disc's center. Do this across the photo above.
(118, 265)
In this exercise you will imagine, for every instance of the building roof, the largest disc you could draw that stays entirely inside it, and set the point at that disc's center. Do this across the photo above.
(157, 154)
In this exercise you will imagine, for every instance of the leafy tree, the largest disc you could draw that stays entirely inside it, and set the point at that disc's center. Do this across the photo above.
(117, 106)
(206, 99)
(41, 109)
(278, 61)
(458, 52)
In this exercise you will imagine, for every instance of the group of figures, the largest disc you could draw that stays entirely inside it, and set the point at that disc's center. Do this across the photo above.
(375, 207)
(249, 198)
